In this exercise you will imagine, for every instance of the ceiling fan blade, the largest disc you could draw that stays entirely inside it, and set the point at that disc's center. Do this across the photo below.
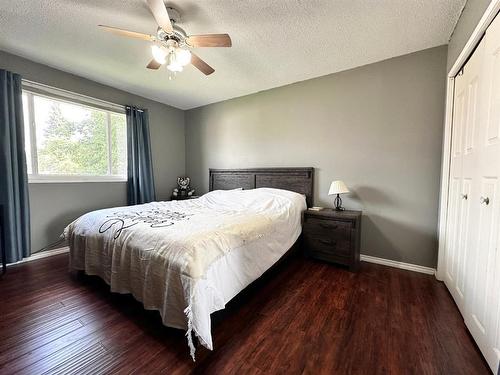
(160, 14)
(209, 40)
(153, 64)
(130, 34)
(201, 65)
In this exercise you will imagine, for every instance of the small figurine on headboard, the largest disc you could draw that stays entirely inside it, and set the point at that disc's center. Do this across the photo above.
(184, 190)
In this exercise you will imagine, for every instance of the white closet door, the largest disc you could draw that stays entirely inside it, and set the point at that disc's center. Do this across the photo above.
(483, 300)
(453, 222)
(463, 181)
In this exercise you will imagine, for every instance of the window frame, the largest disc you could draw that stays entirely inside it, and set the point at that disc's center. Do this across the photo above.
(32, 89)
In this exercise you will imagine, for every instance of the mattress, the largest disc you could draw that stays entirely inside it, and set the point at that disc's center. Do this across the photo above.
(188, 258)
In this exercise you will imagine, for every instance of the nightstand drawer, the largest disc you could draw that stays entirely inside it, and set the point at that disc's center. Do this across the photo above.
(334, 258)
(328, 245)
(331, 228)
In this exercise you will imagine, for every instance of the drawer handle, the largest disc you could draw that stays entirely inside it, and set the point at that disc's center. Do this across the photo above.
(326, 242)
(325, 226)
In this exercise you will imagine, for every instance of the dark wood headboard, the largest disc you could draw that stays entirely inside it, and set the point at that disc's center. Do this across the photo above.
(299, 180)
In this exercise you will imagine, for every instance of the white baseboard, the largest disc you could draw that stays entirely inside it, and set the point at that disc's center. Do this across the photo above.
(402, 265)
(42, 254)
(364, 258)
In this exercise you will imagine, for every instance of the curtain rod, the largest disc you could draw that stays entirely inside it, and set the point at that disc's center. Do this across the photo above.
(90, 99)
(137, 109)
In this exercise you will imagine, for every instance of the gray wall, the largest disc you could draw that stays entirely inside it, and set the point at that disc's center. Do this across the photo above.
(53, 206)
(471, 14)
(378, 128)
(358, 125)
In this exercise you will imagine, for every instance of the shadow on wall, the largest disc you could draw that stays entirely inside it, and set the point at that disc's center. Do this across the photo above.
(361, 198)
(59, 222)
(384, 237)
(54, 227)
(369, 194)
(388, 237)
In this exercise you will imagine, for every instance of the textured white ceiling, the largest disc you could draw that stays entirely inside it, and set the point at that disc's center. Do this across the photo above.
(275, 42)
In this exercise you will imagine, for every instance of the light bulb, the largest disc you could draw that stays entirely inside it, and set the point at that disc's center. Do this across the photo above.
(158, 54)
(174, 67)
(172, 62)
(182, 56)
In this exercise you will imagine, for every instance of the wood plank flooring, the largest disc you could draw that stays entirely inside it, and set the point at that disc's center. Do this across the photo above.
(304, 317)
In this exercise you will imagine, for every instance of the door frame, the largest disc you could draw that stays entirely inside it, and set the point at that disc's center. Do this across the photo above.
(488, 16)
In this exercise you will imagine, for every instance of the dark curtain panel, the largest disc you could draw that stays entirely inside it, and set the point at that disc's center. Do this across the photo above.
(140, 182)
(13, 172)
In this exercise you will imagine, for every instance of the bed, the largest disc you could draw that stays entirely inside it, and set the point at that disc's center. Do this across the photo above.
(188, 258)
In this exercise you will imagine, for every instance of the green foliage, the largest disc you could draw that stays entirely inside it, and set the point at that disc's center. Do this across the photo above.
(81, 147)
(118, 144)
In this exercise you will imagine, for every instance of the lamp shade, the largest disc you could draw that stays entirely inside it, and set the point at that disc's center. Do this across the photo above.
(338, 187)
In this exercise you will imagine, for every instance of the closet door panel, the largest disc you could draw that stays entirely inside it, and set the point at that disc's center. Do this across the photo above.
(494, 354)
(472, 114)
(463, 182)
(490, 166)
(493, 109)
(452, 233)
(455, 196)
(482, 302)
(473, 78)
(472, 258)
(482, 319)
(459, 114)
(488, 219)
(463, 238)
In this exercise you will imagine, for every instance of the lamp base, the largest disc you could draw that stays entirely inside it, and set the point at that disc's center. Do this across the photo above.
(338, 203)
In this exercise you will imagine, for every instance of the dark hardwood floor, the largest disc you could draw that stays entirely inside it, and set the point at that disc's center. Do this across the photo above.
(304, 317)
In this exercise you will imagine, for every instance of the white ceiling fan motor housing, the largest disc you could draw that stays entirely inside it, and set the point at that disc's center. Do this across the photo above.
(179, 35)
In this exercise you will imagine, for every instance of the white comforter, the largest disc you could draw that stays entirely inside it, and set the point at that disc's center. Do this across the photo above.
(188, 258)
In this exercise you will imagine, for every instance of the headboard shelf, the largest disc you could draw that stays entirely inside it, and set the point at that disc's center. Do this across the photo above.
(299, 180)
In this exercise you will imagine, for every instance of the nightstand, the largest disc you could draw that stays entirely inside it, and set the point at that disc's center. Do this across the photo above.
(332, 236)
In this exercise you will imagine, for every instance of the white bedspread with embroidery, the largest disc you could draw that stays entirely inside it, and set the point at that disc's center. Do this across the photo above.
(188, 258)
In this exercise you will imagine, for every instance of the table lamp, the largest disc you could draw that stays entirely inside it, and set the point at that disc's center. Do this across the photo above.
(338, 187)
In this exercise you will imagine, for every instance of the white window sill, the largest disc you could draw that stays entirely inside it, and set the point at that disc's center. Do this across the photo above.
(73, 179)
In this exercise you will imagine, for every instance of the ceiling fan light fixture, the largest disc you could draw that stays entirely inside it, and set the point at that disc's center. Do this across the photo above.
(171, 43)
(177, 59)
(174, 67)
(159, 54)
(182, 56)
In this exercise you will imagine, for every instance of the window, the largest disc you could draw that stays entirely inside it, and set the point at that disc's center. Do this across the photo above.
(67, 141)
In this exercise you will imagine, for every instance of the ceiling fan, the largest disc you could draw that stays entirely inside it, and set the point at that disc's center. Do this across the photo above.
(171, 45)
